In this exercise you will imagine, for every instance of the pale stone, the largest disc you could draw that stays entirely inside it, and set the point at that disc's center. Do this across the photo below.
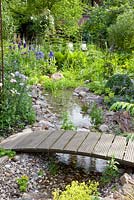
(125, 178)
(103, 128)
(57, 76)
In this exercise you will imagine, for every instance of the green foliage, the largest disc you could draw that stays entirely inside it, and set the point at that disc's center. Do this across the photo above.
(9, 153)
(121, 34)
(67, 13)
(67, 124)
(23, 183)
(16, 105)
(78, 191)
(16, 102)
(53, 167)
(111, 172)
(130, 136)
(96, 115)
(41, 173)
(123, 105)
(119, 83)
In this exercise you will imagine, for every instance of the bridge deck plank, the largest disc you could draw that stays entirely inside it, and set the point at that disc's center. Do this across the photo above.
(32, 140)
(50, 140)
(88, 145)
(13, 140)
(129, 154)
(76, 141)
(63, 140)
(103, 145)
(118, 147)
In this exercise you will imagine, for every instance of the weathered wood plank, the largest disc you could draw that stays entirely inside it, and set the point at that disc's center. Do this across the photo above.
(103, 145)
(13, 140)
(88, 145)
(76, 141)
(50, 140)
(63, 140)
(129, 154)
(32, 140)
(118, 147)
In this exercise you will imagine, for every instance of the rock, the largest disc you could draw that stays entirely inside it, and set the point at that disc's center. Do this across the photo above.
(57, 76)
(3, 159)
(117, 195)
(110, 113)
(103, 128)
(45, 124)
(125, 178)
(128, 189)
(81, 89)
(34, 196)
(8, 166)
(82, 94)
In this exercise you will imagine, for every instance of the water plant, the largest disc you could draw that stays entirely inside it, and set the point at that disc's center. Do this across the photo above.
(96, 115)
(23, 183)
(111, 171)
(78, 191)
(67, 123)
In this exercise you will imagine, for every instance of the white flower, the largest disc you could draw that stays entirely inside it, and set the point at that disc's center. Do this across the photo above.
(13, 81)
(23, 77)
(70, 46)
(21, 84)
(83, 47)
(13, 75)
(17, 73)
(0, 84)
(14, 91)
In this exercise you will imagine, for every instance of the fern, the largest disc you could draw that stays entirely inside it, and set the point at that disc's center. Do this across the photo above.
(123, 105)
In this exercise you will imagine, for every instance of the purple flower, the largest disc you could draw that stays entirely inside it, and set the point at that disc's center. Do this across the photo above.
(19, 45)
(51, 54)
(39, 55)
(24, 44)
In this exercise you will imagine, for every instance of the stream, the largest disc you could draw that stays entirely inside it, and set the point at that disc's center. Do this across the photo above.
(64, 101)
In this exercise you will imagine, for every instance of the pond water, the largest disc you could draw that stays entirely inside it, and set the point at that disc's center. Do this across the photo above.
(65, 101)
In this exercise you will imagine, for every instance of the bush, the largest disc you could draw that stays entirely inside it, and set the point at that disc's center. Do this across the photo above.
(16, 105)
(78, 191)
(119, 83)
(121, 34)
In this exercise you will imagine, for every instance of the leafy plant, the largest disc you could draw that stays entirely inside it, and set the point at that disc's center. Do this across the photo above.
(9, 153)
(110, 172)
(67, 124)
(23, 183)
(40, 172)
(78, 191)
(118, 83)
(53, 167)
(96, 115)
(123, 105)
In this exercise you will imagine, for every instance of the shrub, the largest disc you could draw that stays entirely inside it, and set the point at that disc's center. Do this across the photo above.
(119, 83)
(78, 191)
(16, 104)
(121, 34)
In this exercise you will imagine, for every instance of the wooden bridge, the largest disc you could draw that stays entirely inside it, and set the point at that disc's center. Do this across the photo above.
(81, 143)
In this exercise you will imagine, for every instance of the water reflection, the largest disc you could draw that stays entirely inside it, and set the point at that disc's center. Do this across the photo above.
(64, 101)
(84, 162)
